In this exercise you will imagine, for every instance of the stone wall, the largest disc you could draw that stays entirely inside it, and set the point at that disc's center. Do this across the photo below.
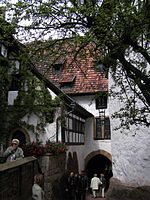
(121, 191)
(53, 169)
(16, 179)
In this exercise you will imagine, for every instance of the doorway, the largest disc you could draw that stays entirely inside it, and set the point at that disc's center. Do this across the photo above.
(18, 134)
(99, 164)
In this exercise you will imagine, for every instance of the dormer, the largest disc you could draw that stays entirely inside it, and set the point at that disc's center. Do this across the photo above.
(58, 66)
(99, 67)
(67, 81)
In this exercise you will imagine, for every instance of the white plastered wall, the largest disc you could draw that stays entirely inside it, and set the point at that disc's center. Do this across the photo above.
(90, 144)
(130, 149)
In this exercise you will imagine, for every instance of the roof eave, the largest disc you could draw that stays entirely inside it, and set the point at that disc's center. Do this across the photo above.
(78, 109)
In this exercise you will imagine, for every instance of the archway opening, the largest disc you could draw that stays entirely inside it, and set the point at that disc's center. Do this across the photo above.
(99, 164)
(18, 134)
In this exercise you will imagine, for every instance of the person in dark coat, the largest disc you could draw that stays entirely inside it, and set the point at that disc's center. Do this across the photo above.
(71, 186)
(103, 185)
(77, 187)
(82, 185)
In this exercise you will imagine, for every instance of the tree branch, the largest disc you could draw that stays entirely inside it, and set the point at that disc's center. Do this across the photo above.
(137, 76)
(140, 50)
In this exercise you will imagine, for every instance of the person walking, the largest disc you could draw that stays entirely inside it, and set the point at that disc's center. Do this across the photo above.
(71, 186)
(102, 186)
(77, 187)
(13, 152)
(95, 182)
(83, 185)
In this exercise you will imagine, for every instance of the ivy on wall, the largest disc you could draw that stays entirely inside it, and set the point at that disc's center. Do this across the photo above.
(33, 98)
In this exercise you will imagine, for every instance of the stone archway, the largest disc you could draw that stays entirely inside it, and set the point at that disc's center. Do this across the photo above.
(98, 152)
(21, 134)
(98, 162)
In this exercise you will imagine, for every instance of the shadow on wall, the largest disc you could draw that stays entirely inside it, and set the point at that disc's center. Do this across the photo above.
(72, 162)
(59, 188)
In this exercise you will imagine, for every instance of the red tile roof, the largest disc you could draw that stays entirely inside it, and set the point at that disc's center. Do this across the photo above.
(78, 75)
(84, 78)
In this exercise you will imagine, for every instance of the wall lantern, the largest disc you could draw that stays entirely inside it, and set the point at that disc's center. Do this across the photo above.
(3, 50)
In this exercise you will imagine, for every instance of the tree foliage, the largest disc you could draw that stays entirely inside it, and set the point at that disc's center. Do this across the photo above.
(119, 30)
(33, 97)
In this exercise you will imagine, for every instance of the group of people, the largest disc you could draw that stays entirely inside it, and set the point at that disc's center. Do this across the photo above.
(77, 185)
(98, 186)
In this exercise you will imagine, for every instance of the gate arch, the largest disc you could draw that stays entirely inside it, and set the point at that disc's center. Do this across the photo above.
(98, 162)
(98, 152)
(23, 135)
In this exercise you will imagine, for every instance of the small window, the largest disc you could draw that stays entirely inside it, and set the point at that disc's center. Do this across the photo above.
(67, 81)
(66, 85)
(15, 83)
(101, 101)
(14, 67)
(99, 67)
(57, 68)
(58, 65)
(102, 128)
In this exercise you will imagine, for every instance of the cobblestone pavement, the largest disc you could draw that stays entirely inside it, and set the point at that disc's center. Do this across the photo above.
(90, 197)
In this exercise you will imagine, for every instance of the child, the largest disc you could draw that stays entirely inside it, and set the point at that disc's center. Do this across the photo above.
(37, 191)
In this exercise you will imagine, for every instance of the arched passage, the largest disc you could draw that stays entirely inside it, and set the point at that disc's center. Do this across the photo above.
(21, 134)
(99, 162)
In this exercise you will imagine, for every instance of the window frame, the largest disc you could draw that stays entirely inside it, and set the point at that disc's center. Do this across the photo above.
(105, 133)
(101, 101)
(74, 130)
(15, 82)
(57, 68)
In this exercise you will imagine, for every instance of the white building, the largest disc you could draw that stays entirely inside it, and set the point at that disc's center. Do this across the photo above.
(89, 88)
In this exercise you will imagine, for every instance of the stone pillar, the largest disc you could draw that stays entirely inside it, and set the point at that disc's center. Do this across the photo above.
(53, 168)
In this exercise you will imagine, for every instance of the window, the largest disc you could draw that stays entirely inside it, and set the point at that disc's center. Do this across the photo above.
(57, 68)
(99, 67)
(73, 132)
(101, 101)
(15, 83)
(66, 85)
(102, 128)
(67, 81)
(14, 67)
(14, 71)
